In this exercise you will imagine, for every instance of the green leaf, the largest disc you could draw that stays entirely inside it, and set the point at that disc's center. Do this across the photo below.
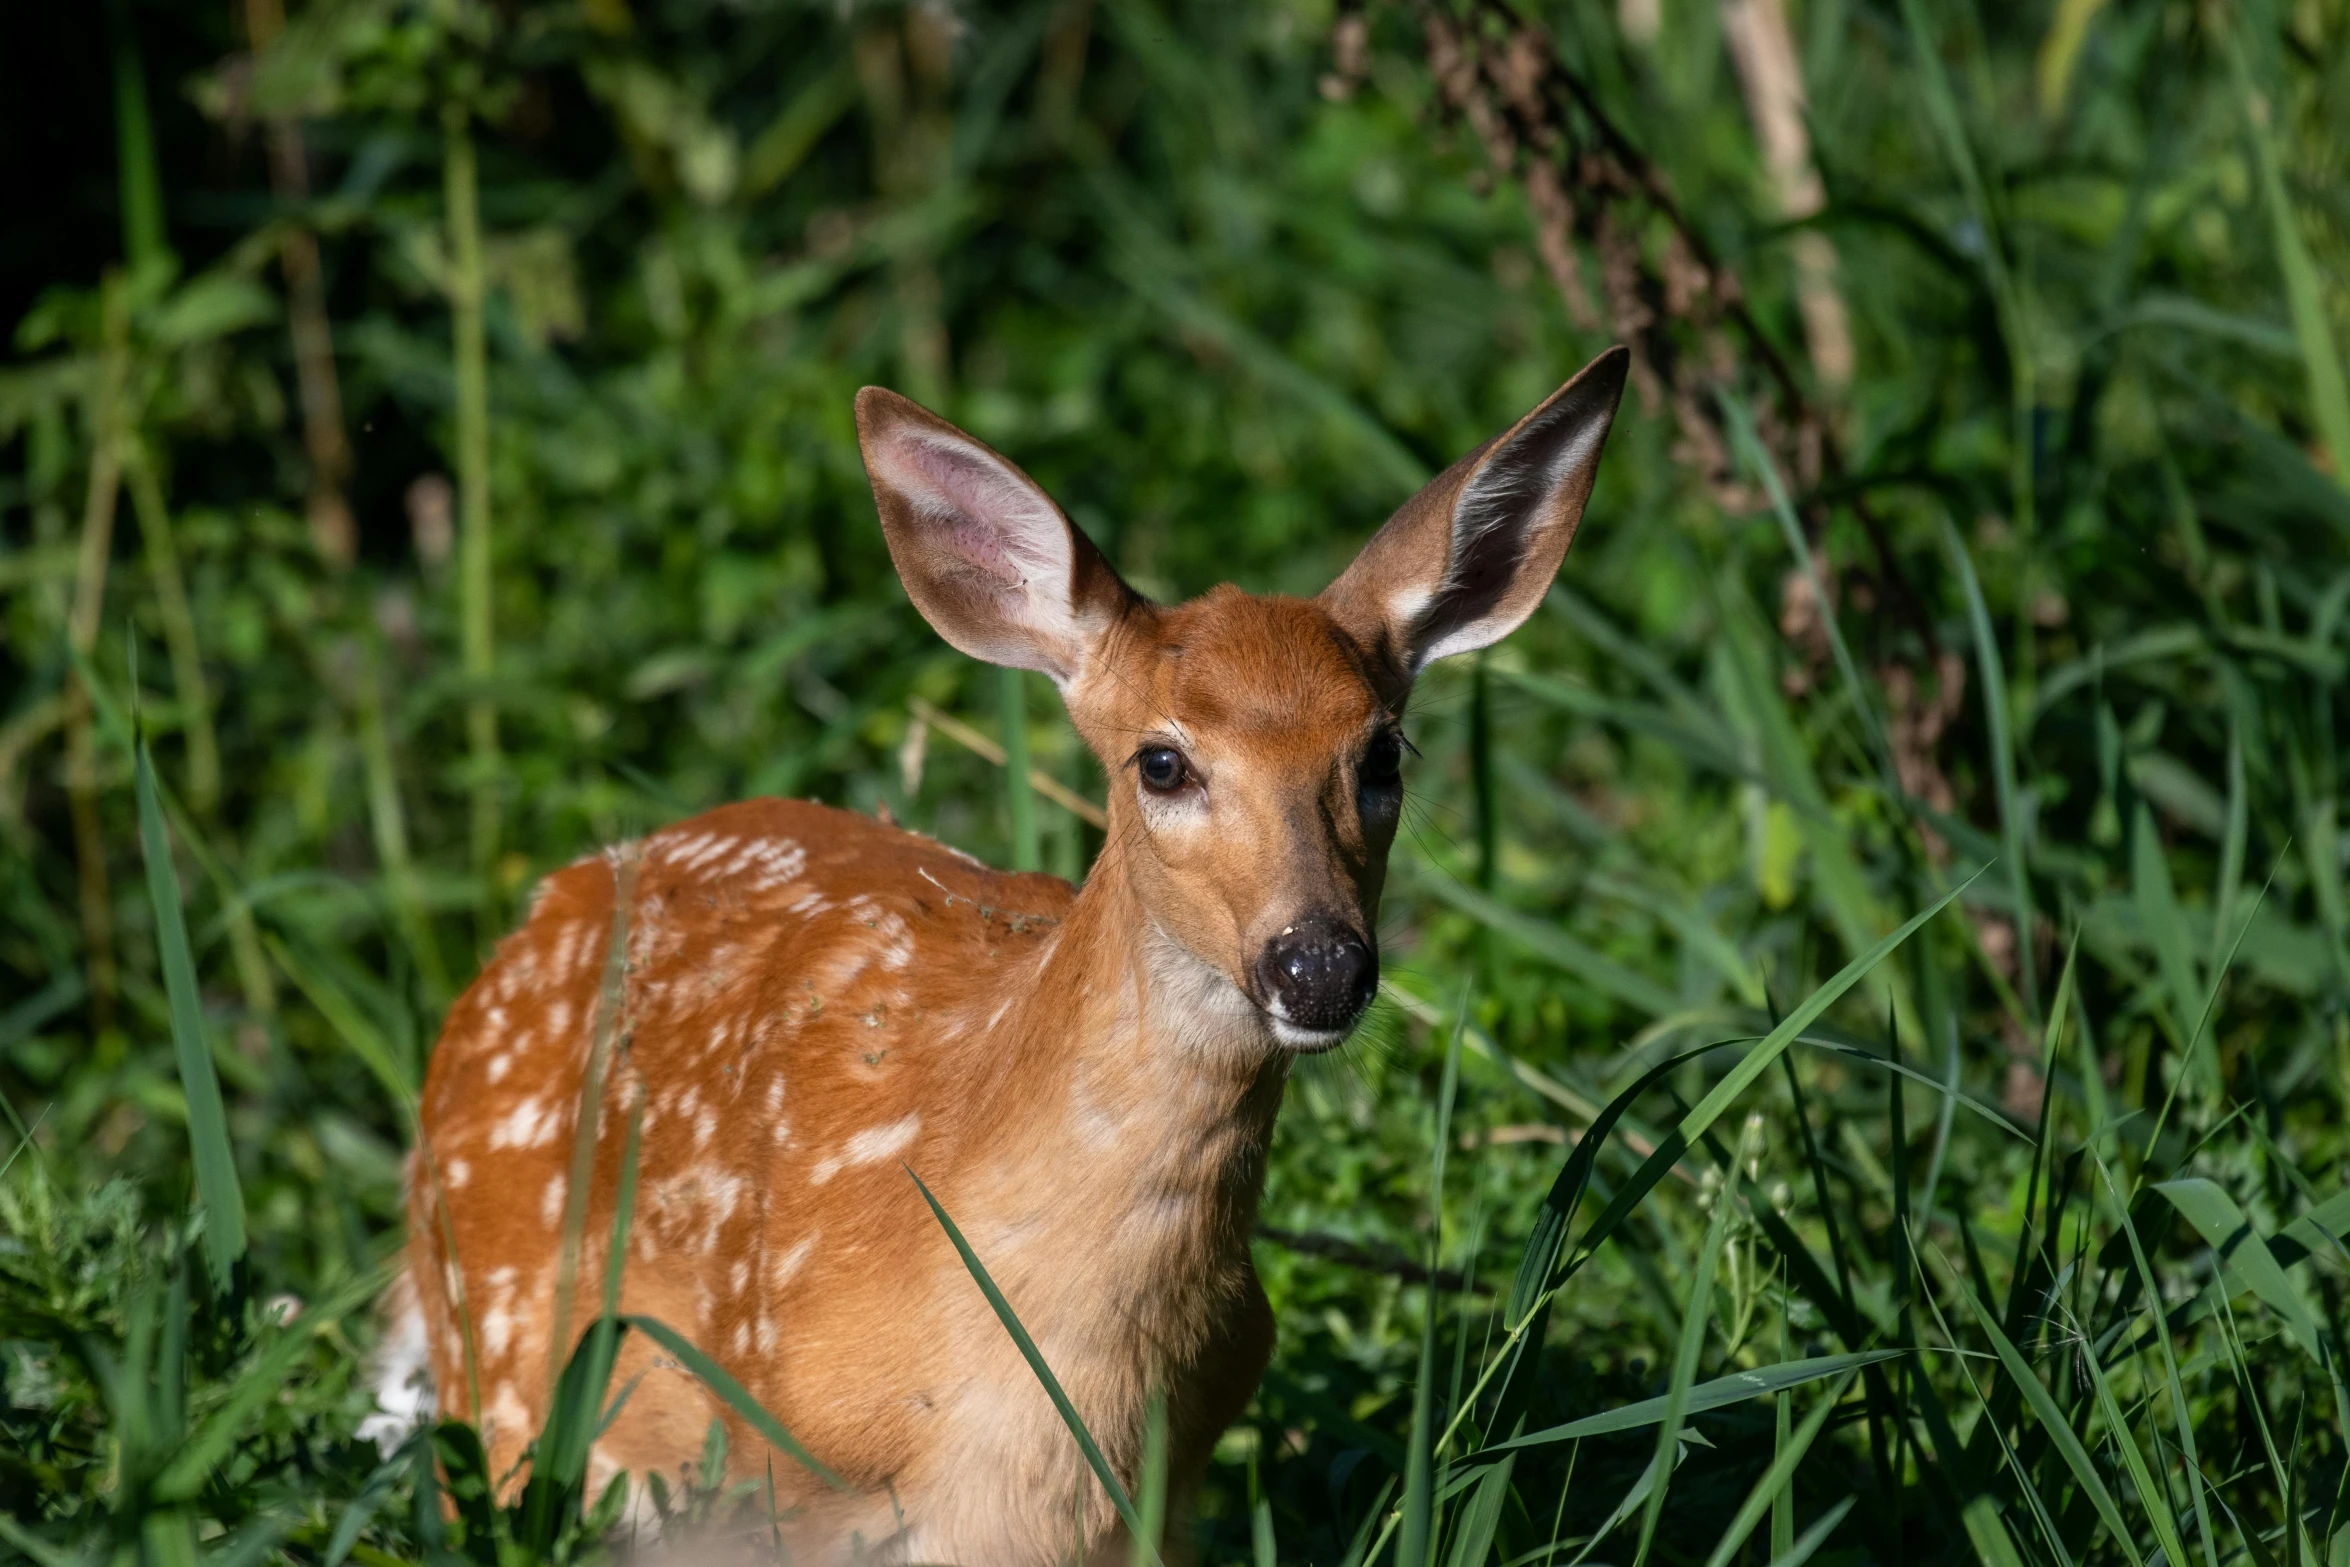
(2245, 1261)
(1696, 1314)
(2329, 387)
(737, 1397)
(1992, 676)
(1547, 941)
(1756, 1061)
(1706, 1396)
(2060, 1432)
(1776, 1481)
(1812, 1538)
(216, 1163)
(1417, 1540)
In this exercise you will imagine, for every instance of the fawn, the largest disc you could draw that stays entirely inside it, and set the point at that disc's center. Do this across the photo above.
(814, 1004)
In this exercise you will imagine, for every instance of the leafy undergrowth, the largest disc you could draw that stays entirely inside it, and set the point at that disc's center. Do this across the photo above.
(1668, 1209)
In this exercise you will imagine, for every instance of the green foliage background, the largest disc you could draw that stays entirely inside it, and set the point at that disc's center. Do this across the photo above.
(1231, 281)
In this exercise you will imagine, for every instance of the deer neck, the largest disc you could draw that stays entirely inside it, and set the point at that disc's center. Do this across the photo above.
(1144, 1073)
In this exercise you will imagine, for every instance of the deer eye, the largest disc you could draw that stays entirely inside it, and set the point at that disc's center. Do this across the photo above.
(1382, 763)
(1162, 769)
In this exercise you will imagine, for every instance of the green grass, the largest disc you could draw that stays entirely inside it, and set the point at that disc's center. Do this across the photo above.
(1865, 1090)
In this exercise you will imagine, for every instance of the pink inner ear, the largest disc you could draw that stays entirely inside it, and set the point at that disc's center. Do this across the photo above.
(994, 522)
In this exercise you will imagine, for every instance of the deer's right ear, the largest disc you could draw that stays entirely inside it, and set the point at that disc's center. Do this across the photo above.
(984, 553)
(1464, 562)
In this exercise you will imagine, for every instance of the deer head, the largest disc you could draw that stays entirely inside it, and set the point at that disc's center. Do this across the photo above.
(1254, 744)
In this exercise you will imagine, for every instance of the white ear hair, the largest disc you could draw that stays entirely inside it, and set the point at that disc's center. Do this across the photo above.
(984, 553)
(1464, 562)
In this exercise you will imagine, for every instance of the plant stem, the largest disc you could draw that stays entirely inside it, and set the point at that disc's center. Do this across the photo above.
(139, 190)
(389, 825)
(332, 531)
(89, 597)
(1019, 798)
(466, 290)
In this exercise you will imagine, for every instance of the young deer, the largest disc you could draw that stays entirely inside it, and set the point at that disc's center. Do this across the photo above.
(814, 1004)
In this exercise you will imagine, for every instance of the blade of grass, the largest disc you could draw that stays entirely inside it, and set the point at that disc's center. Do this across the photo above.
(215, 1160)
(1777, 1482)
(2060, 1431)
(2181, 1416)
(1812, 1538)
(2245, 1262)
(1481, 1518)
(2329, 388)
(1740, 420)
(1264, 1549)
(1989, 1532)
(738, 1398)
(1741, 1077)
(1019, 799)
(1705, 1397)
(1417, 1540)
(1144, 1548)
(2153, 1495)
(1690, 1345)
(2229, 880)
(608, 1025)
(1992, 676)
(1036, 1363)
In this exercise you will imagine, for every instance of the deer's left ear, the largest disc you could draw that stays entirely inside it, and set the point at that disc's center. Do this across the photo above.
(1464, 562)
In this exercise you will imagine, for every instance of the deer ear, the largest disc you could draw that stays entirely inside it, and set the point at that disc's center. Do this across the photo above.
(1464, 562)
(984, 553)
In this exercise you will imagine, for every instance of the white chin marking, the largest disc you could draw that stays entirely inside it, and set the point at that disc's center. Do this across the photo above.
(1306, 1041)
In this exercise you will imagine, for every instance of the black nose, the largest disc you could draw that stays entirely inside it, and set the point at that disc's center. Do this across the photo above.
(1318, 974)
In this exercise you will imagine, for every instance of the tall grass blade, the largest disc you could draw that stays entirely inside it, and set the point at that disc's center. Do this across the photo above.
(1264, 1549)
(1739, 1078)
(1416, 1540)
(1019, 798)
(2153, 1495)
(1705, 1397)
(737, 1397)
(1988, 1530)
(2329, 387)
(1776, 1484)
(1991, 673)
(1480, 1519)
(1749, 447)
(2060, 1431)
(1086, 1445)
(2166, 931)
(1812, 1538)
(1695, 1317)
(215, 1160)
(1145, 1547)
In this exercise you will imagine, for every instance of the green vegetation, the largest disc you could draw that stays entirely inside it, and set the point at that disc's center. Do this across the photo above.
(454, 471)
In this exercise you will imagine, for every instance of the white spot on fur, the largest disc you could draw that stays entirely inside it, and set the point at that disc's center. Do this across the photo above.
(530, 1124)
(788, 1265)
(869, 1146)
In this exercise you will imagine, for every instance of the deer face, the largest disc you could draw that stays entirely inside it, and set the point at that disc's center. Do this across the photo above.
(1255, 770)
(1253, 744)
